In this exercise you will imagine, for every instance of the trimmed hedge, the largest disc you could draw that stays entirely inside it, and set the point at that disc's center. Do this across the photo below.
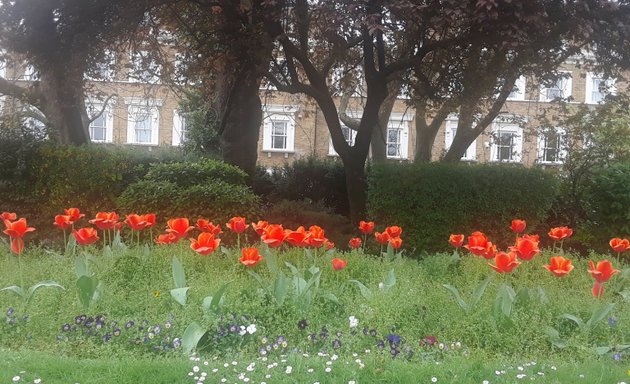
(208, 189)
(610, 198)
(431, 201)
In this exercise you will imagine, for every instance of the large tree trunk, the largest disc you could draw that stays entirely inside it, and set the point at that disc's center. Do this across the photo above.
(427, 132)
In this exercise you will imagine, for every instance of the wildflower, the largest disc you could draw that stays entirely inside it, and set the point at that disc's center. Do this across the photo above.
(336, 344)
(302, 324)
(251, 329)
(434, 379)
(289, 369)
(354, 322)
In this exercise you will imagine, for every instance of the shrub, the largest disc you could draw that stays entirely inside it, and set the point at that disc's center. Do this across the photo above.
(431, 201)
(610, 202)
(208, 189)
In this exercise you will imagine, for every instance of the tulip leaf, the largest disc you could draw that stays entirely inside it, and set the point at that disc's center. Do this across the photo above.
(117, 243)
(87, 286)
(365, 291)
(599, 315)
(225, 251)
(179, 276)
(280, 289)
(313, 281)
(15, 289)
(43, 284)
(331, 297)
(81, 267)
(554, 337)
(542, 295)
(390, 252)
(107, 251)
(625, 294)
(191, 337)
(313, 270)
(271, 261)
(179, 295)
(602, 350)
(523, 296)
(390, 279)
(505, 300)
(217, 299)
(293, 269)
(457, 296)
(300, 286)
(479, 291)
(72, 243)
(574, 319)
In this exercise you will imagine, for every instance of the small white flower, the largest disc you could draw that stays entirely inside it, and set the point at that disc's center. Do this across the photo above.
(242, 330)
(368, 351)
(226, 365)
(191, 374)
(289, 369)
(541, 373)
(310, 370)
(241, 376)
(581, 376)
(215, 370)
(267, 376)
(269, 366)
(553, 368)
(497, 373)
(485, 382)
(434, 379)
(224, 380)
(520, 368)
(246, 379)
(328, 369)
(16, 379)
(37, 381)
(234, 362)
(305, 354)
(205, 363)
(521, 376)
(195, 369)
(354, 322)
(334, 357)
(358, 361)
(352, 382)
(203, 374)
(354, 354)
(329, 363)
(251, 329)
(381, 286)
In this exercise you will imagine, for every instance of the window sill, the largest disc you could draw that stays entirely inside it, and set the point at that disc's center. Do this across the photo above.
(144, 144)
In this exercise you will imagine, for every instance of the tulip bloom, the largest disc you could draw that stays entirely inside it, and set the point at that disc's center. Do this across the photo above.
(136, 222)
(381, 238)
(167, 238)
(329, 244)
(273, 235)
(490, 252)
(394, 231)
(619, 245)
(63, 222)
(205, 243)
(74, 213)
(339, 264)
(505, 262)
(259, 227)
(180, 227)
(104, 220)
(11, 216)
(456, 240)
(354, 243)
(366, 227)
(250, 257)
(17, 245)
(317, 236)
(598, 289)
(559, 266)
(208, 226)
(396, 242)
(85, 236)
(17, 229)
(237, 224)
(526, 248)
(518, 226)
(560, 233)
(603, 272)
(297, 238)
(477, 243)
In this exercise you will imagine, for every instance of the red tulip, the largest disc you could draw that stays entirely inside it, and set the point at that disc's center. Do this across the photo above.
(136, 222)
(105, 220)
(526, 248)
(205, 243)
(366, 227)
(381, 238)
(273, 235)
(167, 238)
(180, 227)
(237, 224)
(339, 264)
(394, 231)
(560, 233)
(505, 262)
(477, 243)
(598, 289)
(259, 227)
(17, 245)
(559, 266)
(297, 238)
(535, 238)
(396, 242)
(8, 216)
(355, 243)
(251, 257)
(490, 251)
(17, 229)
(149, 218)
(208, 226)
(619, 245)
(456, 240)
(63, 222)
(85, 236)
(518, 226)
(603, 272)
(74, 214)
(317, 236)
(329, 245)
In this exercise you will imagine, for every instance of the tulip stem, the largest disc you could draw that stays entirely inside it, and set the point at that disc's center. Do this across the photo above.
(65, 241)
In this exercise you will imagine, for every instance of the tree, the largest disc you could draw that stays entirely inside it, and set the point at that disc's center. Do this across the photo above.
(62, 40)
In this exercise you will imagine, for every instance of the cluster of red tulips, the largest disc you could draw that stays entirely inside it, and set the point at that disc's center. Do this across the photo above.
(391, 235)
(526, 247)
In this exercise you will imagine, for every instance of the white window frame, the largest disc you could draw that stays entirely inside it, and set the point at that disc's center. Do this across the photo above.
(279, 113)
(135, 107)
(518, 92)
(541, 149)
(450, 129)
(180, 128)
(399, 121)
(517, 152)
(96, 108)
(610, 84)
(352, 135)
(566, 89)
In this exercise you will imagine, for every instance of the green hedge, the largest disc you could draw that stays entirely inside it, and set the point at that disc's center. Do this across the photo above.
(431, 201)
(208, 189)
(610, 202)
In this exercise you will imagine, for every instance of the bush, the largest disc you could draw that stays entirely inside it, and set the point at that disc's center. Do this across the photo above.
(431, 201)
(311, 179)
(610, 202)
(208, 189)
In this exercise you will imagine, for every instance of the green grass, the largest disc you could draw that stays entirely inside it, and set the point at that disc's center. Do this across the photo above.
(137, 282)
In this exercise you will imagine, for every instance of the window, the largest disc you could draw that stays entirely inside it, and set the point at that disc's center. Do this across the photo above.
(29, 74)
(142, 121)
(597, 87)
(518, 92)
(102, 127)
(397, 138)
(279, 128)
(180, 128)
(561, 88)
(551, 146)
(348, 134)
(144, 68)
(507, 143)
(450, 131)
